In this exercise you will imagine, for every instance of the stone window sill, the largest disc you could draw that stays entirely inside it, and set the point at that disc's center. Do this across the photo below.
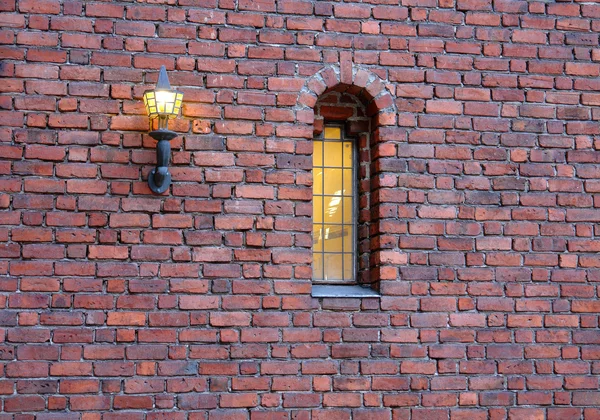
(345, 291)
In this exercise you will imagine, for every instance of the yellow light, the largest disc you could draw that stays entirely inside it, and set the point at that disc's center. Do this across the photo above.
(333, 133)
(163, 101)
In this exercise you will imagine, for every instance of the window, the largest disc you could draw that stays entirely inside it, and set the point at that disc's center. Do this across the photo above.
(334, 208)
(354, 114)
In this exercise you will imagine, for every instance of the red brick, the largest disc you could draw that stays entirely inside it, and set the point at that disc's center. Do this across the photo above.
(477, 209)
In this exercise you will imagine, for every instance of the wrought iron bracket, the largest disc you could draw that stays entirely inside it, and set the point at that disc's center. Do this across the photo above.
(159, 178)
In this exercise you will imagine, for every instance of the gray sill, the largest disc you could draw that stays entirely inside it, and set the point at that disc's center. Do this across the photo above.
(351, 291)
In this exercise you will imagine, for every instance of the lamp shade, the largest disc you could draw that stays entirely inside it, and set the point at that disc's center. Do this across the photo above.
(162, 101)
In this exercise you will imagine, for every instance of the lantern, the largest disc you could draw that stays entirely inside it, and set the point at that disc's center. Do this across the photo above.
(162, 103)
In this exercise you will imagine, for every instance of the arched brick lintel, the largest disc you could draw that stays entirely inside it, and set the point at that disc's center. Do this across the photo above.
(362, 83)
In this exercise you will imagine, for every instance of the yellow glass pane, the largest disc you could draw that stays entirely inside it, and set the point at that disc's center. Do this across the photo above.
(317, 153)
(317, 209)
(347, 152)
(333, 209)
(317, 181)
(333, 154)
(333, 181)
(348, 266)
(348, 182)
(318, 238)
(333, 238)
(333, 266)
(347, 211)
(347, 239)
(332, 133)
(318, 266)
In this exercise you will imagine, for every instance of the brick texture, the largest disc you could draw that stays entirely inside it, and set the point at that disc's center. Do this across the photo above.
(479, 136)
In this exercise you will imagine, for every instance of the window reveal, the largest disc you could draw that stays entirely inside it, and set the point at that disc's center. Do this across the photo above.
(334, 212)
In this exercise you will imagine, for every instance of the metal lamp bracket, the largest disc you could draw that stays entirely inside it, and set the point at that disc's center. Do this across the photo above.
(159, 178)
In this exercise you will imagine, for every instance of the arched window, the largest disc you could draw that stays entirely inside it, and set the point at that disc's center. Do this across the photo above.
(341, 190)
(355, 123)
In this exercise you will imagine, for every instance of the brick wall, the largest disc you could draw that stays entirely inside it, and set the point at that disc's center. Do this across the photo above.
(482, 199)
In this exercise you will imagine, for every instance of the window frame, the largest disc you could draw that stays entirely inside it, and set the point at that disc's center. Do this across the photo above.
(355, 204)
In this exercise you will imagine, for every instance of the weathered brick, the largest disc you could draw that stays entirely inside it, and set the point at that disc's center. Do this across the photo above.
(475, 123)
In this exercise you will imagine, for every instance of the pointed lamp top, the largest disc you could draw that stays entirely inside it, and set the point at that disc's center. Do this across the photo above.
(163, 80)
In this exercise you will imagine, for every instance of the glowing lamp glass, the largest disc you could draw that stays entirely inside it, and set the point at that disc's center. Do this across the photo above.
(163, 103)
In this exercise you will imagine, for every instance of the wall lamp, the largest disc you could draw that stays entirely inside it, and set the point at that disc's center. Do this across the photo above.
(162, 103)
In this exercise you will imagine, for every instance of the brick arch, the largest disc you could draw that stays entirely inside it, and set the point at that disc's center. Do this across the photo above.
(362, 83)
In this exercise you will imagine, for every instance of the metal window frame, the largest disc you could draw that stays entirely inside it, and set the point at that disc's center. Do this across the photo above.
(355, 202)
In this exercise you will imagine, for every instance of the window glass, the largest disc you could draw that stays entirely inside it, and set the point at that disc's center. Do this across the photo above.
(332, 132)
(332, 154)
(334, 220)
